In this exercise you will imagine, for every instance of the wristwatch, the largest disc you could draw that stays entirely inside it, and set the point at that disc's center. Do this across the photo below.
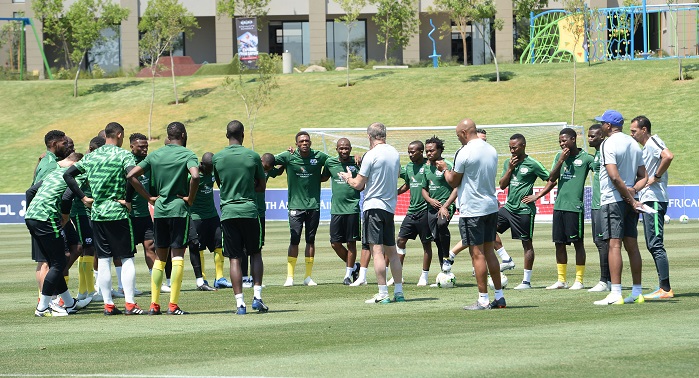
(658, 177)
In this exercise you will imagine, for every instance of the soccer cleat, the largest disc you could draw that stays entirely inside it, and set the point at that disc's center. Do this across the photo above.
(110, 310)
(524, 286)
(507, 265)
(222, 283)
(634, 300)
(611, 299)
(446, 265)
(96, 296)
(154, 309)
(557, 285)
(137, 292)
(74, 308)
(398, 297)
(309, 282)
(601, 286)
(82, 296)
(82, 303)
(247, 282)
(347, 281)
(355, 272)
(258, 305)
(175, 310)
(241, 310)
(577, 286)
(477, 306)
(48, 311)
(422, 281)
(206, 287)
(118, 293)
(660, 294)
(498, 303)
(164, 288)
(379, 298)
(133, 309)
(358, 282)
(289, 281)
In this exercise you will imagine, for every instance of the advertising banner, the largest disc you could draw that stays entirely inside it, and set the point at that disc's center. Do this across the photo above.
(247, 41)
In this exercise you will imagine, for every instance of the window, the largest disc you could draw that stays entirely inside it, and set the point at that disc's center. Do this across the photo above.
(336, 34)
(296, 40)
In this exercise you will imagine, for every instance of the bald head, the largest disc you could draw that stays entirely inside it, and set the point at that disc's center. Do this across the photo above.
(466, 130)
(343, 142)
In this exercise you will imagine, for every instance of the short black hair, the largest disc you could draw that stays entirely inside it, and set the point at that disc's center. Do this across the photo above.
(235, 129)
(519, 137)
(75, 156)
(175, 130)
(207, 158)
(299, 134)
(53, 136)
(418, 143)
(96, 143)
(595, 126)
(137, 136)
(481, 131)
(642, 122)
(112, 129)
(570, 132)
(268, 158)
(437, 142)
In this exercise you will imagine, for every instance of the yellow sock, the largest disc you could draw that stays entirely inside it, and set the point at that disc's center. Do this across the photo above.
(89, 277)
(562, 272)
(176, 279)
(309, 266)
(82, 286)
(218, 261)
(203, 266)
(579, 273)
(67, 278)
(156, 280)
(290, 266)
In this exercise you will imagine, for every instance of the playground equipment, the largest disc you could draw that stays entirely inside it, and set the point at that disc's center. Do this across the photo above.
(622, 33)
(23, 48)
(434, 56)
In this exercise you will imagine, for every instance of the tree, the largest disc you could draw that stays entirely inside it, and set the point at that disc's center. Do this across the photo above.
(255, 92)
(352, 9)
(461, 12)
(522, 10)
(483, 12)
(242, 8)
(10, 36)
(80, 27)
(577, 24)
(397, 20)
(673, 21)
(163, 22)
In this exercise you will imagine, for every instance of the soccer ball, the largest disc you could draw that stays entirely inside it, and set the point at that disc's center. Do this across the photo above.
(503, 281)
(684, 219)
(446, 280)
(667, 219)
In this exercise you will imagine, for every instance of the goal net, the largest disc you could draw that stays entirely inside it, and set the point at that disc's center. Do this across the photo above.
(542, 145)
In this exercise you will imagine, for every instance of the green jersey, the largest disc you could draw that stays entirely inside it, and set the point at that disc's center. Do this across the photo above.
(204, 206)
(106, 169)
(78, 208)
(236, 168)
(571, 183)
(436, 184)
(522, 184)
(414, 175)
(169, 178)
(261, 203)
(47, 164)
(139, 205)
(345, 199)
(46, 204)
(595, 183)
(303, 178)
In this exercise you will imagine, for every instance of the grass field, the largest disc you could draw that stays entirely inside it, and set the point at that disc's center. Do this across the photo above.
(328, 330)
(413, 97)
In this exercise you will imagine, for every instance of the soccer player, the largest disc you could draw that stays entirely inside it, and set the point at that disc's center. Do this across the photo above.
(622, 176)
(207, 225)
(171, 167)
(378, 178)
(239, 175)
(345, 214)
(657, 158)
(106, 170)
(303, 171)
(570, 169)
(475, 168)
(45, 200)
(595, 136)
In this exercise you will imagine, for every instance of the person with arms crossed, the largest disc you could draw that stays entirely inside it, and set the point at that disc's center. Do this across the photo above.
(595, 136)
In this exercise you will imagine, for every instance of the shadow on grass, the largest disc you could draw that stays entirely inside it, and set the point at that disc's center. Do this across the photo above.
(492, 77)
(196, 93)
(195, 120)
(367, 77)
(112, 87)
(421, 299)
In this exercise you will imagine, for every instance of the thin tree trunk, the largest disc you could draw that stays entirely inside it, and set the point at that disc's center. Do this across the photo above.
(153, 68)
(172, 72)
(495, 60)
(385, 50)
(252, 129)
(348, 54)
(575, 91)
(77, 74)
(463, 41)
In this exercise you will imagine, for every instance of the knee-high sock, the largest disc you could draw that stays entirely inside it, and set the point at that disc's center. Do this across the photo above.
(156, 280)
(118, 274)
(203, 264)
(195, 260)
(104, 279)
(128, 278)
(67, 279)
(176, 278)
(579, 273)
(309, 266)
(82, 286)
(290, 266)
(218, 262)
(88, 272)
(562, 272)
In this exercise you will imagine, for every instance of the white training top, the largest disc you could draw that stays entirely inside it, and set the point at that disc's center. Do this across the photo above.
(622, 150)
(651, 158)
(478, 162)
(381, 167)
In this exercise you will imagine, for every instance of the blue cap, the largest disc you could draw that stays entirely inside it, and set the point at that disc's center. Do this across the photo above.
(612, 117)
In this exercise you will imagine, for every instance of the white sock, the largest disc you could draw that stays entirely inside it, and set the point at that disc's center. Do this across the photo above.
(257, 292)
(502, 253)
(527, 275)
(362, 274)
(636, 290)
(498, 294)
(168, 282)
(44, 301)
(383, 289)
(118, 273)
(425, 274)
(483, 299)
(386, 273)
(452, 256)
(67, 299)
(401, 251)
(104, 279)
(239, 300)
(128, 278)
(348, 272)
(200, 281)
(616, 289)
(398, 288)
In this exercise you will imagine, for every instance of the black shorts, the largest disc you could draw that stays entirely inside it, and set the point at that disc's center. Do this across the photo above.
(171, 232)
(653, 226)
(568, 227)
(83, 226)
(71, 235)
(619, 221)
(596, 217)
(520, 225)
(142, 229)
(49, 240)
(262, 230)
(415, 224)
(36, 251)
(478, 230)
(345, 228)
(378, 228)
(208, 233)
(241, 237)
(435, 223)
(113, 238)
(297, 220)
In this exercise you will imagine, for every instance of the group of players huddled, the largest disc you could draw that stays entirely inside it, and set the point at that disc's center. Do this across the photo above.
(97, 204)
